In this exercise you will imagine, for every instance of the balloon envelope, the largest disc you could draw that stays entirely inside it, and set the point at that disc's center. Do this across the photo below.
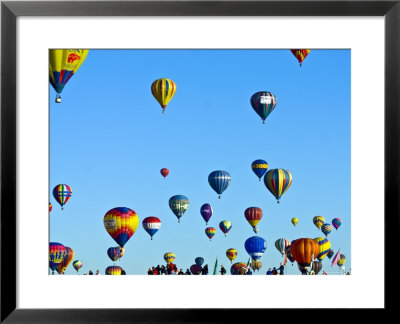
(259, 168)
(63, 265)
(316, 266)
(336, 222)
(263, 103)
(237, 266)
(253, 215)
(324, 246)
(114, 271)
(195, 269)
(219, 180)
(151, 225)
(300, 54)
(326, 229)
(77, 265)
(206, 212)
(255, 246)
(62, 193)
(281, 245)
(278, 182)
(231, 254)
(121, 223)
(57, 252)
(304, 251)
(114, 253)
(295, 221)
(330, 253)
(179, 204)
(164, 172)
(163, 90)
(210, 232)
(225, 226)
(63, 64)
(169, 257)
(199, 261)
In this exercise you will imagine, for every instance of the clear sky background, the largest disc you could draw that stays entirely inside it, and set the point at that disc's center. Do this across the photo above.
(109, 140)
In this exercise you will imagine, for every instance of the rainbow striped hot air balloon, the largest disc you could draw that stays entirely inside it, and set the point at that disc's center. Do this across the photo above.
(63, 265)
(259, 167)
(121, 223)
(163, 90)
(225, 226)
(253, 216)
(77, 265)
(278, 182)
(300, 54)
(318, 221)
(169, 257)
(324, 246)
(63, 64)
(57, 252)
(326, 229)
(151, 225)
(210, 232)
(62, 193)
(231, 254)
(113, 271)
(336, 222)
(263, 103)
(179, 204)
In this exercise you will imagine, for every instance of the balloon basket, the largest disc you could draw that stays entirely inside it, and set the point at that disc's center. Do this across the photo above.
(58, 99)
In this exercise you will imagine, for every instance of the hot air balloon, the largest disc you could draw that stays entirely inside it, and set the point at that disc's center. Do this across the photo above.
(206, 212)
(300, 54)
(259, 167)
(326, 229)
(113, 271)
(121, 252)
(62, 193)
(289, 254)
(179, 204)
(163, 90)
(225, 226)
(255, 265)
(318, 221)
(219, 180)
(263, 103)
(50, 207)
(255, 246)
(324, 246)
(336, 222)
(281, 245)
(304, 251)
(63, 265)
(57, 252)
(77, 265)
(164, 172)
(295, 221)
(330, 253)
(151, 225)
(195, 269)
(253, 215)
(123, 273)
(231, 254)
(235, 268)
(63, 64)
(210, 232)
(199, 261)
(121, 223)
(114, 253)
(169, 257)
(316, 266)
(278, 182)
(341, 260)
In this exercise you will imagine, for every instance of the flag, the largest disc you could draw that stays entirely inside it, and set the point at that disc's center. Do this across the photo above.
(248, 263)
(324, 273)
(336, 258)
(215, 267)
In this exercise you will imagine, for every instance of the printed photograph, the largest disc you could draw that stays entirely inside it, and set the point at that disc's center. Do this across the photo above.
(200, 162)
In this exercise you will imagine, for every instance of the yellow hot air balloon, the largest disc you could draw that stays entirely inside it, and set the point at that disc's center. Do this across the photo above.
(163, 90)
(231, 254)
(324, 246)
(169, 257)
(318, 221)
(300, 54)
(63, 64)
(295, 221)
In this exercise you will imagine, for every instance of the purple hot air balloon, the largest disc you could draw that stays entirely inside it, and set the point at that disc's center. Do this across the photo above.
(206, 212)
(196, 269)
(336, 222)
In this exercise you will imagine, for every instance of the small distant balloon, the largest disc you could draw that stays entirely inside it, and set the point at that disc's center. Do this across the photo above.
(281, 245)
(114, 253)
(169, 257)
(231, 254)
(164, 172)
(206, 212)
(263, 103)
(225, 226)
(253, 216)
(62, 193)
(278, 182)
(219, 181)
(151, 225)
(326, 229)
(210, 232)
(179, 204)
(318, 221)
(163, 90)
(336, 222)
(199, 261)
(50, 207)
(259, 167)
(300, 54)
(77, 264)
(295, 221)
(330, 253)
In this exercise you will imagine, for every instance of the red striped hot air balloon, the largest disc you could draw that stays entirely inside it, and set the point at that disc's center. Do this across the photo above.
(113, 270)
(253, 215)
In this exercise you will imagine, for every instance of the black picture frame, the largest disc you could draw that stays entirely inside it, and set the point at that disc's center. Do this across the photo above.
(10, 10)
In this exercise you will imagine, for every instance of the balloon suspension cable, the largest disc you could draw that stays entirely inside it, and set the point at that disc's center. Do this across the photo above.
(179, 220)
(259, 179)
(263, 121)
(163, 111)
(301, 64)
(152, 237)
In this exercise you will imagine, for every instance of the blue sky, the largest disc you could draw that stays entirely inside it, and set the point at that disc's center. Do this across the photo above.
(109, 140)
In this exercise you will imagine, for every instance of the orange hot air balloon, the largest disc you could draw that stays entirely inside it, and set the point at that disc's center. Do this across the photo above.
(304, 251)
